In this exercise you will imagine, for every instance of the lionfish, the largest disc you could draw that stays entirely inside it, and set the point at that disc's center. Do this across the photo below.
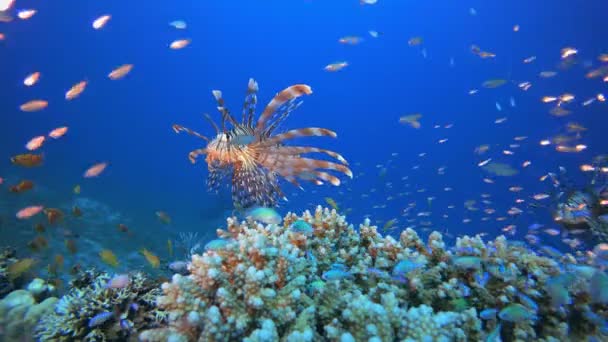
(255, 157)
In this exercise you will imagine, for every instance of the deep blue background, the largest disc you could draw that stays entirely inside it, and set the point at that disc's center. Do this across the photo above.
(280, 43)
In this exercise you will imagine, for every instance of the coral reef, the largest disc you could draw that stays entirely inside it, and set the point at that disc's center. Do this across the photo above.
(7, 257)
(21, 310)
(272, 282)
(96, 310)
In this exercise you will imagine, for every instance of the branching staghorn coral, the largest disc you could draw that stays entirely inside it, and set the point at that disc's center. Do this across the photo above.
(94, 311)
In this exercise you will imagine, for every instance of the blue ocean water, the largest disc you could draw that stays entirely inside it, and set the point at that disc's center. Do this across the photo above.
(127, 123)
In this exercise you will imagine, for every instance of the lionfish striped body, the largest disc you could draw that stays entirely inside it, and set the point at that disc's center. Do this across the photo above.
(256, 158)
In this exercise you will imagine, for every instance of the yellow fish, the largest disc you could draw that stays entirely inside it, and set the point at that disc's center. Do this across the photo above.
(170, 247)
(20, 267)
(389, 224)
(332, 203)
(163, 217)
(108, 257)
(77, 189)
(152, 259)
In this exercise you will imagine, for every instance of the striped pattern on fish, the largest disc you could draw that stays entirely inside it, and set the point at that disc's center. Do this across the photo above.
(254, 158)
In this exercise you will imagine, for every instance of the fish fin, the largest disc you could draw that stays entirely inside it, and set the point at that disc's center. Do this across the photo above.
(278, 100)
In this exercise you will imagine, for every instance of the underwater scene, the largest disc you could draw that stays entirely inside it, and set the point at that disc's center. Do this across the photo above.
(303, 170)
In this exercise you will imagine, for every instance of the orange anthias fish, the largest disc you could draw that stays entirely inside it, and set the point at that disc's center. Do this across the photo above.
(76, 90)
(71, 246)
(28, 212)
(23, 186)
(179, 44)
(38, 243)
(95, 170)
(27, 160)
(120, 72)
(101, 21)
(53, 215)
(34, 105)
(108, 257)
(58, 132)
(31, 79)
(35, 143)
(152, 259)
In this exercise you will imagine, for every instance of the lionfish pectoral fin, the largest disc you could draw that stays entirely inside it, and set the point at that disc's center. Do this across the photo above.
(283, 96)
(194, 154)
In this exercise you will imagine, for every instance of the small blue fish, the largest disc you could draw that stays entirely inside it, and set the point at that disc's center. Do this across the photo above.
(376, 272)
(100, 319)
(339, 267)
(494, 335)
(302, 227)
(265, 215)
(404, 267)
(528, 302)
(535, 226)
(512, 101)
(466, 291)
(400, 279)
(498, 107)
(488, 314)
(482, 278)
(334, 275)
(516, 313)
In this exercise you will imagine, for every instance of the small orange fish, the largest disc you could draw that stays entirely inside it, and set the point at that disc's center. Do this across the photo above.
(163, 217)
(31, 79)
(120, 72)
(2, 36)
(152, 259)
(27, 160)
(28, 212)
(34, 106)
(101, 21)
(58, 132)
(76, 90)
(39, 228)
(108, 257)
(179, 44)
(23, 186)
(26, 14)
(414, 41)
(53, 215)
(38, 243)
(59, 260)
(95, 170)
(35, 143)
(71, 246)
